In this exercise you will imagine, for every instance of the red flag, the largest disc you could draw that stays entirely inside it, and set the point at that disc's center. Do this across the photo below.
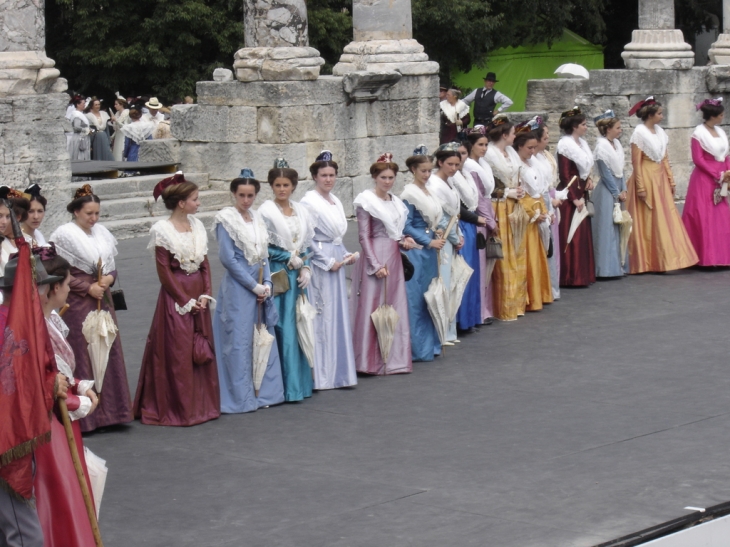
(27, 375)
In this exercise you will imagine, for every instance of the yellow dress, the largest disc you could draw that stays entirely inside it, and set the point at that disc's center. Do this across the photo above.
(509, 280)
(539, 289)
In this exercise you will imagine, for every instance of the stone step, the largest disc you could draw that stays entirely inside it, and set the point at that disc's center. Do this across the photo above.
(138, 207)
(138, 227)
(138, 186)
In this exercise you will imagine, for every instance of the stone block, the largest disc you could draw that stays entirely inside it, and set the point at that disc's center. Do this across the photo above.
(396, 117)
(361, 153)
(413, 87)
(15, 175)
(594, 105)
(214, 123)
(407, 68)
(40, 107)
(287, 70)
(718, 79)
(383, 47)
(222, 75)
(679, 148)
(6, 111)
(162, 150)
(324, 90)
(297, 124)
(553, 95)
(22, 26)
(24, 142)
(314, 148)
(646, 82)
(368, 86)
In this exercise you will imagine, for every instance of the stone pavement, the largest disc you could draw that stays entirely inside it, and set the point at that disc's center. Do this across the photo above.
(604, 414)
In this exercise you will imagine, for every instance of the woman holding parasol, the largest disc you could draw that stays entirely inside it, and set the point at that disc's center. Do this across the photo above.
(178, 382)
(244, 300)
(84, 242)
(378, 280)
(575, 162)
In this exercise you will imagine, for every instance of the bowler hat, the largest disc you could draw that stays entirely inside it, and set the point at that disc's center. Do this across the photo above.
(491, 77)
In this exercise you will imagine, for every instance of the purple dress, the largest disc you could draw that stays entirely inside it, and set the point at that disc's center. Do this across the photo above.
(485, 209)
(367, 294)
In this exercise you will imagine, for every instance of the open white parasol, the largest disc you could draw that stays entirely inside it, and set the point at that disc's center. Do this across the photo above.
(572, 70)
(461, 272)
(100, 332)
(305, 327)
(385, 319)
(262, 342)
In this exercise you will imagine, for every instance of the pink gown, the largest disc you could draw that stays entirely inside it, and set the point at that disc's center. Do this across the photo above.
(367, 293)
(707, 224)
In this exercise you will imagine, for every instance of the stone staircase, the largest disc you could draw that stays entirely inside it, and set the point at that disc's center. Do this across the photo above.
(129, 210)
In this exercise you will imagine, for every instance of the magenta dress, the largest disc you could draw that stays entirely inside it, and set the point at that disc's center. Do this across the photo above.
(707, 224)
(367, 293)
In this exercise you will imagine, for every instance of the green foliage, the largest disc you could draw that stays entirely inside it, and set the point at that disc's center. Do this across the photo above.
(330, 29)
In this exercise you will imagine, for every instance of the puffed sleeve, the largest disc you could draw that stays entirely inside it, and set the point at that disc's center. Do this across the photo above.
(167, 279)
(363, 228)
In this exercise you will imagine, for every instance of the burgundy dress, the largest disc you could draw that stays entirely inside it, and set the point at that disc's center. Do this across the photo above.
(172, 390)
(577, 266)
(115, 405)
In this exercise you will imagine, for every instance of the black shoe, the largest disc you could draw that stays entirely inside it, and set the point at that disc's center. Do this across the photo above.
(488, 321)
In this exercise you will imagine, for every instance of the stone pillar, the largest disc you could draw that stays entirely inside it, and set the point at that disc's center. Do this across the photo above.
(277, 40)
(383, 41)
(657, 44)
(720, 51)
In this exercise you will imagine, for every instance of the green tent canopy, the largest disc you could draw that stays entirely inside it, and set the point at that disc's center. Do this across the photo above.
(515, 65)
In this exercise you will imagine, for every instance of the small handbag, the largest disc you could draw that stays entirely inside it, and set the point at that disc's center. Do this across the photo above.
(494, 248)
(481, 241)
(618, 216)
(280, 280)
(202, 351)
(118, 300)
(408, 269)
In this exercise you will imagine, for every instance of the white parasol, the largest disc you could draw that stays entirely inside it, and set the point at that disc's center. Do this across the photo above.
(385, 319)
(262, 342)
(305, 327)
(461, 272)
(572, 70)
(100, 332)
(578, 217)
(625, 231)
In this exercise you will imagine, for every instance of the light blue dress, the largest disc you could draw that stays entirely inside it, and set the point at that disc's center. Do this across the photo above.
(606, 234)
(425, 343)
(235, 316)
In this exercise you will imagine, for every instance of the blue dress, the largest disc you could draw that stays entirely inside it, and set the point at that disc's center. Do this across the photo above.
(235, 316)
(606, 234)
(424, 336)
(470, 310)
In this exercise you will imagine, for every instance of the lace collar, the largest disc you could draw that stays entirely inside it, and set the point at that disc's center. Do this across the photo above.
(455, 112)
(467, 190)
(544, 170)
(427, 205)
(138, 131)
(654, 145)
(254, 249)
(279, 232)
(57, 332)
(531, 180)
(484, 171)
(188, 248)
(392, 213)
(328, 218)
(504, 168)
(612, 154)
(445, 194)
(715, 146)
(577, 152)
(83, 251)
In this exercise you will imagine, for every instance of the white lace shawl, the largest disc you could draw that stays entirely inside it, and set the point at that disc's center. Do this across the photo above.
(138, 131)
(329, 218)
(254, 249)
(505, 169)
(484, 170)
(188, 248)
(455, 112)
(654, 145)
(393, 217)
(99, 124)
(577, 152)
(467, 189)
(448, 196)
(426, 204)
(83, 251)
(716, 146)
(532, 180)
(541, 164)
(610, 153)
(279, 232)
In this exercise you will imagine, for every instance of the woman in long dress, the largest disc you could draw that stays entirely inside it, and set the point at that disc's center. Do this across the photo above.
(547, 167)
(77, 141)
(36, 213)
(706, 212)
(424, 216)
(378, 278)
(480, 172)
(178, 380)
(244, 301)
(659, 241)
(447, 161)
(509, 279)
(609, 191)
(135, 132)
(83, 242)
(101, 148)
(537, 232)
(119, 120)
(60, 504)
(575, 159)
(454, 116)
(334, 356)
(290, 235)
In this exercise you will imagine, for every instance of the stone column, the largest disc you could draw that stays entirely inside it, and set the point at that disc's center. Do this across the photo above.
(720, 51)
(277, 40)
(657, 44)
(383, 41)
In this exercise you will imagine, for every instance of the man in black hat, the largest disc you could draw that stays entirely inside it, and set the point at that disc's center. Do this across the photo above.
(486, 100)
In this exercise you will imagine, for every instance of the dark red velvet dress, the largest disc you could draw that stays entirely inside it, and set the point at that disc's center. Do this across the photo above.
(172, 390)
(577, 266)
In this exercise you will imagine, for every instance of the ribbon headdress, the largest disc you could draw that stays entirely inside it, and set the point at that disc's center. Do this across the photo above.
(712, 102)
(177, 178)
(34, 191)
(638, 106)
(449, 147)
(575, 111)
(529, 125)
(281, 163)
(246, 173)
(6, 193)
(420, 150)
(606, 115)
(477, 129)
(499, 119)
(324, 155)
(386, 157)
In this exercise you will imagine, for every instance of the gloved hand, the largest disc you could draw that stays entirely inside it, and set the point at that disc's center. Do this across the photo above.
(260, 290)
(295, 262)
(305, 276)
(562, 195)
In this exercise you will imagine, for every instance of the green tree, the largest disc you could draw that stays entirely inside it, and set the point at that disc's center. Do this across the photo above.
(330, 29)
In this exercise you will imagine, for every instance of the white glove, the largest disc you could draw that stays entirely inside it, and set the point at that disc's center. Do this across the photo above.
(511, 193)
(305, 275)
(295, 262)
(260, 290)
(562, 195)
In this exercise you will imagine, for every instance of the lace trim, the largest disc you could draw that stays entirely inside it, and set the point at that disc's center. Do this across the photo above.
(187, 308)
(467, 191)
(461, 109)
(446, 195)
(138, 131)
(392, 214)
(654, 145)
(83, 251)
(189, 251)
(83, 410)
(580, 154)
(502, 168)
(427, 205)
(279, 232)
(610, 155)
(234, 225)
(716, 147)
